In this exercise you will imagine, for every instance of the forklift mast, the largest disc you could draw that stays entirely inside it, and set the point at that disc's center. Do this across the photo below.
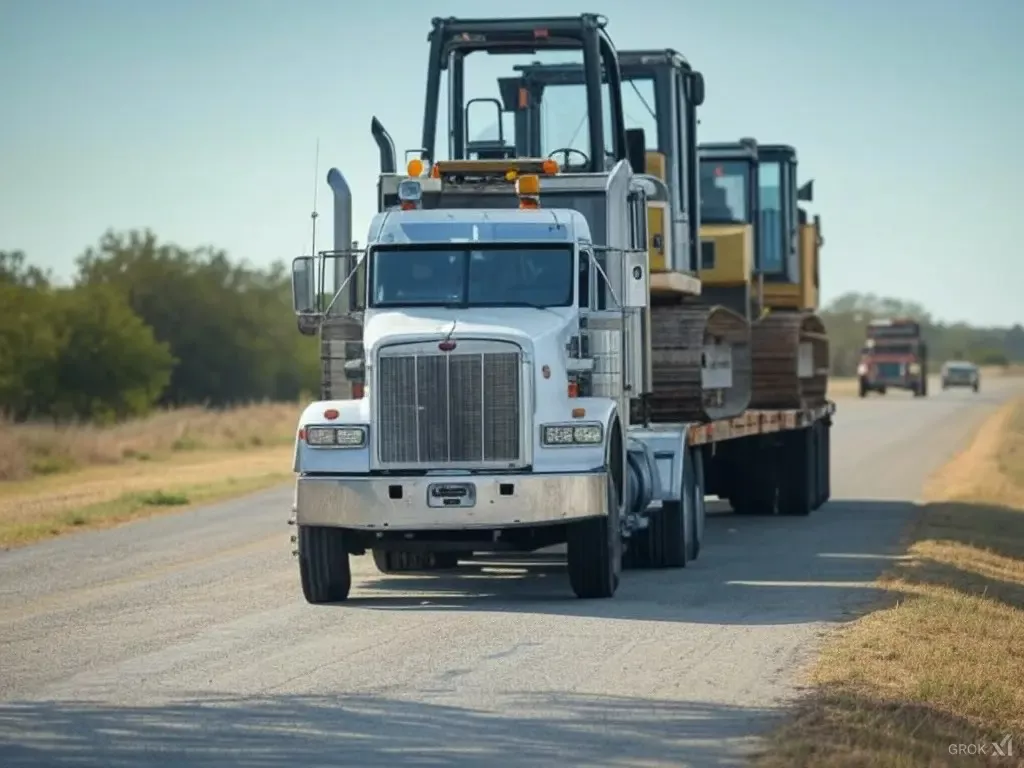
(452, 40)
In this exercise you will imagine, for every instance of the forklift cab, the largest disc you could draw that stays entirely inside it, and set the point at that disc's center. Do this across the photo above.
(669, 91)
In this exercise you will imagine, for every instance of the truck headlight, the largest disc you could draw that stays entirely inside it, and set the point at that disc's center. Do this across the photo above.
(336, 437)
(553, 435)
(914, 369)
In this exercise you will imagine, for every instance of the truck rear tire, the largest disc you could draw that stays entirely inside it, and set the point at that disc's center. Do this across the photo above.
(697, 508)
(594, 551)
(324, 568)
(668, 537)
(798, 483)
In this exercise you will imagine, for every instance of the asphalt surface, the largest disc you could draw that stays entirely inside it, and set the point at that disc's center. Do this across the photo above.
(184, 640)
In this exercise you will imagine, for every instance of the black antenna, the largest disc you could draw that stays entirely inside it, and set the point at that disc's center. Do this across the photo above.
(316, 187)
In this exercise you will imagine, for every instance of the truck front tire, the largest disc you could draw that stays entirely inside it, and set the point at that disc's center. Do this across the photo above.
(324, 568)
(594, 551)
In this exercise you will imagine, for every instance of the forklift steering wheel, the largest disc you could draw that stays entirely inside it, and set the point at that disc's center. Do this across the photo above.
(566, 151)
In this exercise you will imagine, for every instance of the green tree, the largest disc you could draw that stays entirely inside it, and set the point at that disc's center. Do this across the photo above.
(110, 365)
(29, 348)
(229, 326)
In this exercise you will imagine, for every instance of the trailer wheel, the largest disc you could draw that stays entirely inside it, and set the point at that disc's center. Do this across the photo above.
(697, 509)
(754, 479)
(824, 461)
(797, 484)
(324, 568)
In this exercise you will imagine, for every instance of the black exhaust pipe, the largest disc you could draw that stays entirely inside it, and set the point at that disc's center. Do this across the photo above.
(385, 145)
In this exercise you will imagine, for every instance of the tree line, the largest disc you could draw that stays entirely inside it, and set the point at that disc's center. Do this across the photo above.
(146, 324)
(846, 319)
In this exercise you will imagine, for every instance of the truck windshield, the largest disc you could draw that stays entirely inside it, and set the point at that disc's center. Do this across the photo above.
(723, 191)
(889, 348)
(505, 275)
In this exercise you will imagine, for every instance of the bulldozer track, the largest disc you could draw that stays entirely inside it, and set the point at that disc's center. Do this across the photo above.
(679, 333)
(776, 340)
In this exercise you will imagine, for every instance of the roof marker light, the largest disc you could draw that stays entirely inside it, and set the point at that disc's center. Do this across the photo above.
(410, 194)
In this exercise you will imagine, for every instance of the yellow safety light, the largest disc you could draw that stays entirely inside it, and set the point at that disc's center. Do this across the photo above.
(415, 168)
(528, 190)
(528, 185)
(550, 167)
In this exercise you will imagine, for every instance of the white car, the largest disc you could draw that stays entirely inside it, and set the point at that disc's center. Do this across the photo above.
(960, 373)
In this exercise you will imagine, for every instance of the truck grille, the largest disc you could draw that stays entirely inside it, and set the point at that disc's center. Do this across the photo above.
(890, 370)
(457, 408)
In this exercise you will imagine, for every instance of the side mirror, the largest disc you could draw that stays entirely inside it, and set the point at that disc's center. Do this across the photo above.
(636, 149)
(304, 285)
(696, 88)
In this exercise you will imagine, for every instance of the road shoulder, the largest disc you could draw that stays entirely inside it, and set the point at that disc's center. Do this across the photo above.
(932, 676)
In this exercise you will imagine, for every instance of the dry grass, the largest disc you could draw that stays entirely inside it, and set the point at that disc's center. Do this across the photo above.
(31, 450)
(842, 386)
(54, 480)
(102, 496)
(943, 663)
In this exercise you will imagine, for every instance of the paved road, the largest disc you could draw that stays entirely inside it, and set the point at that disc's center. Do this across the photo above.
(184, 640)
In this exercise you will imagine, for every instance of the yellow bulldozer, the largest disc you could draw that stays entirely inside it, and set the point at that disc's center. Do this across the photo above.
(759, 255)
(757, 250)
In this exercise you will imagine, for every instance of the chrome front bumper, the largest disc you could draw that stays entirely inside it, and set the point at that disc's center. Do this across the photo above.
(484, 501)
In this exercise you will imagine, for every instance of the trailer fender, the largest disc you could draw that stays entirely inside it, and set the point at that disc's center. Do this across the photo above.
(668, 449)
(643, 478)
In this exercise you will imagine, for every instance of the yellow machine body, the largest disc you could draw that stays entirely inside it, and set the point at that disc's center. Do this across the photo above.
(658, 230)
(727, 254)
(803, 295)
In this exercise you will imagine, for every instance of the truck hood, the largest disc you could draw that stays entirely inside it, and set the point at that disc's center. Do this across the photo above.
(527, 326)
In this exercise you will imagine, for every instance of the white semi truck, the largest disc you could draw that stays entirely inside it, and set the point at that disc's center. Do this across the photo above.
(488, 362)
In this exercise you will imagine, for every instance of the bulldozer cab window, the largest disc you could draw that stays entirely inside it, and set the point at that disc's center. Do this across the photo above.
(638, 107)
(565, 124)
(771, 229)
(724, 191)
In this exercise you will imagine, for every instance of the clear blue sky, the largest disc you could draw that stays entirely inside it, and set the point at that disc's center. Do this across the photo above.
(199, 120)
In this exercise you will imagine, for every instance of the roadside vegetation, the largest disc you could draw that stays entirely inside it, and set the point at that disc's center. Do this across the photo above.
(938, 670)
